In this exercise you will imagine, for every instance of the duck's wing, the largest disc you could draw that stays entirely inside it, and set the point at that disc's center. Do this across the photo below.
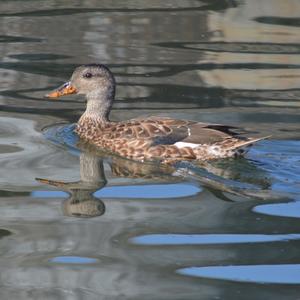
(167, 131)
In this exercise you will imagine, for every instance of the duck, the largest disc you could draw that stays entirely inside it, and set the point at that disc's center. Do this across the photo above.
(153, 138)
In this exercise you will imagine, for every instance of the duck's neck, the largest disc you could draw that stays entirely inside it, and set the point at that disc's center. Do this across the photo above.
(97, 109)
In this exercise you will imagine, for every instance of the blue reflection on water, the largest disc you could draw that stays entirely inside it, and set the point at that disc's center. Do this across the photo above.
(73, 260)
(206, 239)
(278, 274)
(291, 209)
(49, 194)
(156, 191)
(63, 135)
(149, 191)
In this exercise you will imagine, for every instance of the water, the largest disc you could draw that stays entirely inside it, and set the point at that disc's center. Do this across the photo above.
(78, 224)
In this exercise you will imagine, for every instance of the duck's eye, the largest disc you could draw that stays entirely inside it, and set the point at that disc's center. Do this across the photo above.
(87, 75)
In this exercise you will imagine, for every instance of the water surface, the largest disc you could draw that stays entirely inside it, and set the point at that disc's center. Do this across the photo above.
(101, 227)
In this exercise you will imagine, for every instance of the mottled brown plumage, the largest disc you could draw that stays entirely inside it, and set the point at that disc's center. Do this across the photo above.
(154, 138)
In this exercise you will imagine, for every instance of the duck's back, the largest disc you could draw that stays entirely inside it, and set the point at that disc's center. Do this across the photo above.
(167, 139)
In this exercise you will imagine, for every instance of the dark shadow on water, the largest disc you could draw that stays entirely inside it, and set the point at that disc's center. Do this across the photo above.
(38, 56)
(18, 39)
(4, 233)
(274, 20)
(211, 5)
(234, 47)
(13, 194)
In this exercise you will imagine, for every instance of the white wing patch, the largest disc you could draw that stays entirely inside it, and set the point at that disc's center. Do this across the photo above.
(213, 150)
(183, 144)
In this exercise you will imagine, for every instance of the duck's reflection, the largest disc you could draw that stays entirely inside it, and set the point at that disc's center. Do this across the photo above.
(81, 202)
(219, 178)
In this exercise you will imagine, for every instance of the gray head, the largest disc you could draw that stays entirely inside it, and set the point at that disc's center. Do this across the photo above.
(96, 82)
(93, 79)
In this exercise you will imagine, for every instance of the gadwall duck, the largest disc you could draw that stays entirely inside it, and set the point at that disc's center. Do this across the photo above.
(154, 138)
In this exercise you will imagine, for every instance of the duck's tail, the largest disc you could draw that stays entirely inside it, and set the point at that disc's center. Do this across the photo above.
(244, 143)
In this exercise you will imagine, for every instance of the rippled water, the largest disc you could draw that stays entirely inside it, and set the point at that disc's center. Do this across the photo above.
(78, 224)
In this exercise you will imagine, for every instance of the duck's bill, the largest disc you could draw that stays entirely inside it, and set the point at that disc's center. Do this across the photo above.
(65, 89)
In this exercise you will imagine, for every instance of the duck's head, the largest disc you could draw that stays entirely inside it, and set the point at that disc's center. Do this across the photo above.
(94, 80)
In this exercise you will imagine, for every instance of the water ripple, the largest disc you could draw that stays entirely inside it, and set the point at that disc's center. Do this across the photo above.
(210, 239)
(18, 39)
(73, 260)
(216, 5)
(274, 274)
(289, 210)
(276, 20)
(266, 48)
